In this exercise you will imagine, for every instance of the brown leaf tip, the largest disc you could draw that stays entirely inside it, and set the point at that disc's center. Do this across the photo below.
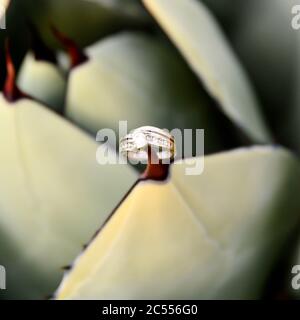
(77, 56)
(156, 170)
(10, 89)
(66, 268)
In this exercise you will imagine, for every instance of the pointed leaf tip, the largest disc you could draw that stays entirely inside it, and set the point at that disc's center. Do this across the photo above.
(156, 169)
(10, 90)
(76, 55)
(66, 268)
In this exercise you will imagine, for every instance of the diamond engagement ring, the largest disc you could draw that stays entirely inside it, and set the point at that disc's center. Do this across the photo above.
(135, 144)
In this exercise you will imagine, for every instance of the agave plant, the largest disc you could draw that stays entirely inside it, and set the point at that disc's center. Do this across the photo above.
(85, 65)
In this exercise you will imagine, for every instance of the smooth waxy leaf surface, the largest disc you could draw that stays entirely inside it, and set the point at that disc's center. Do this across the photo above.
(44, 81)
(213, 235)
(196, 34)
(53, 194)
(4, 4)
(137, 78)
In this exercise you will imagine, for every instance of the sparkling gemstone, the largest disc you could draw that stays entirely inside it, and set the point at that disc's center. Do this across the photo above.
(140, 140)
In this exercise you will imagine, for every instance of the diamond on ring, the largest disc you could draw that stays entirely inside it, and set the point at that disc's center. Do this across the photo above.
(135, 144)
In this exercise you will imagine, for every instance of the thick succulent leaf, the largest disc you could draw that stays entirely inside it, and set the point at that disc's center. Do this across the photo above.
(52, 195)
(83, 21)
(137, 78)
(267, 45)
(196, 34)
(3, 8)
(44, 81)
(213, 235)
(3, 4)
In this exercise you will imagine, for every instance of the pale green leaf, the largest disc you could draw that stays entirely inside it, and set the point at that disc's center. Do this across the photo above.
(137, 78)
(44, 81)
(214, 235)
(197, 35)
(53, 194)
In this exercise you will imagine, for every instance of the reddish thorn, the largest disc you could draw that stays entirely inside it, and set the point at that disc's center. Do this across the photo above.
(66, 268)
(10, 90)
(156, 170)
(76, 55)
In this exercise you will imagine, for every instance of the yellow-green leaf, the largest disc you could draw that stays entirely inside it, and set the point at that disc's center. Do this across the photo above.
(4, 4)
(44, 81)
(214, 235)
(200, 40)
(135, 77)
(53, 194)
